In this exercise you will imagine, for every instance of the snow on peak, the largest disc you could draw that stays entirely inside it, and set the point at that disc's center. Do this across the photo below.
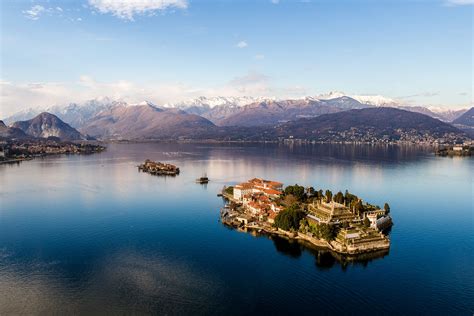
(211, 102)
(331, 95)
(376, 100)
(149, 103)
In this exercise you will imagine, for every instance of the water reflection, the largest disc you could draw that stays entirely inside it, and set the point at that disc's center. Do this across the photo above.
(87, 234)
(324, 259)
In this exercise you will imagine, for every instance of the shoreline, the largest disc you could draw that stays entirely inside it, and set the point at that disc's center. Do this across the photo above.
(288, 142)
(353, 240)
(307, 240)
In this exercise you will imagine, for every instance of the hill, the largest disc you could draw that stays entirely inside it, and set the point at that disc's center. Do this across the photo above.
(467, 119)
(369, 124)
(46, 125)
(11, 132)
(145, 122)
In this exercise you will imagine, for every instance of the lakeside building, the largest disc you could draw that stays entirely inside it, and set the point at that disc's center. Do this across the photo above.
(269, 188)
(360, 239)
(258, 197)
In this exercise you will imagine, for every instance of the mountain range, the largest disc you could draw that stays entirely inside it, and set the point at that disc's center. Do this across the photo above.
(329, 117)
(239, 111)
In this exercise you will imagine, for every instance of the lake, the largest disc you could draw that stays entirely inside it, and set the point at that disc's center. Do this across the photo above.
(90, 234)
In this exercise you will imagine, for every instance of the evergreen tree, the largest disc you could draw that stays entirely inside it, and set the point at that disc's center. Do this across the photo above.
(339, 197)
(386, 207)
(328, 196)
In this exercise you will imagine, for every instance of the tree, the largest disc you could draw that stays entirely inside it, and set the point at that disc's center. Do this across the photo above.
(386, 207)
(289, 200)
(327, 232)
(229, 190)
(296, 190)
(319, 195)
(339, 197)
(366, 222)
(357, 207)
(289, 218)
(328, 196)
(349, 198)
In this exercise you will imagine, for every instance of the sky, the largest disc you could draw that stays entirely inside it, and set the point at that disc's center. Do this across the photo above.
(57, 52)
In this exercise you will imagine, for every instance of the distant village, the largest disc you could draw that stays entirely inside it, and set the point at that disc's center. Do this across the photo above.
(18, 150)
(341, 222)
(356, 136)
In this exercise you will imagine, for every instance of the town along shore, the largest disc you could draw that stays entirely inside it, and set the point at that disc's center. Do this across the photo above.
(12, 151)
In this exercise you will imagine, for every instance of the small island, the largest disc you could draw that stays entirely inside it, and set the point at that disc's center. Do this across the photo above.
(342, 222)
(158, 168)
(460, 150)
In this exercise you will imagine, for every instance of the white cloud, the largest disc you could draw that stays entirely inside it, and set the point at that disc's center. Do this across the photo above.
(459, 2)
(275, 1)
(15, 96)
(34, 12)
(242, 44)
(259, 56)
(127, 9)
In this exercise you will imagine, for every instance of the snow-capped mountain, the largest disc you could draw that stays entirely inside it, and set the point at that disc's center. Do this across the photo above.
(75, 114)
(238, 110)
(374, 100)
(211, 102)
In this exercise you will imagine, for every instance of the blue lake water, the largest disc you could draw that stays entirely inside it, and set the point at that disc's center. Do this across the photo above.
(90, 234)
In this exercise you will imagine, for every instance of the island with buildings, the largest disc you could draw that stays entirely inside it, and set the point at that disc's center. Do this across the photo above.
(340, 222)
(460, 150)
(158, 168)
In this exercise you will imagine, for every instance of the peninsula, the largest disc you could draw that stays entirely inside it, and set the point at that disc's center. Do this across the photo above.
(341, 222)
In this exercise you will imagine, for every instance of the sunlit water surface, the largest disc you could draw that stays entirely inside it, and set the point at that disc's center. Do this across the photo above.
(89, 234)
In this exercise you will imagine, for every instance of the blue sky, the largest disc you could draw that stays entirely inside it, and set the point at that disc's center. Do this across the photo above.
(56, 52)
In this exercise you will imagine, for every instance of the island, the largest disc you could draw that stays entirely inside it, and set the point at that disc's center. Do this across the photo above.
(340, 222)
(461, 150)
(158, 168)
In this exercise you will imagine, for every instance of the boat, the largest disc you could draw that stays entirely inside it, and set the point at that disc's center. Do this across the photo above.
(202, 180)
